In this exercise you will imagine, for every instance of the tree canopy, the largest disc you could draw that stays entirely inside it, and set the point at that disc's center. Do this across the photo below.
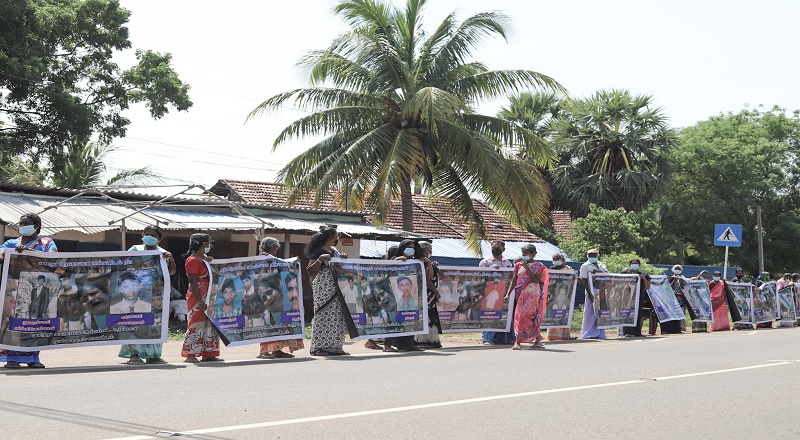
(59, 85)
(394, 103)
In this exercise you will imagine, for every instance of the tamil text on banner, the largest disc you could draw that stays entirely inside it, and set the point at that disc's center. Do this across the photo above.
(743, 300)
(560, 299)
(471, 299)
(664, 301)
(66, 299)
(699, 297)
(616, 299)
(256, 299)
(765, 303)
(787, 311)
(386, 298)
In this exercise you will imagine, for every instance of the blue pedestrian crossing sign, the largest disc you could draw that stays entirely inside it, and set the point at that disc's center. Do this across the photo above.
(727, 235)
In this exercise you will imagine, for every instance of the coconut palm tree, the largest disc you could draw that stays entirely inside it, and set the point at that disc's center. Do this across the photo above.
(85, 166)
(612, 152)
(394, 103)
(534, 111)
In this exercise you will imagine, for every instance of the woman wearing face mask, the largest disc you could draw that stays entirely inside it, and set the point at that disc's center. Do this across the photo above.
(644, 298)
(718, 303)
(529, 283)
(30, 225)
(201, 337)
(559, 334)
(327, 326)
(270, 246)
(407, 250)
(678, 283)
(432, 271)
(150, 352)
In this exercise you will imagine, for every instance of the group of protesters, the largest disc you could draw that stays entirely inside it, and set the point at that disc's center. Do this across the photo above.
(528, 283)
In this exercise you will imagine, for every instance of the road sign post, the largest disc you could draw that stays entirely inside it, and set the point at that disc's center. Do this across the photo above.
(727, 235)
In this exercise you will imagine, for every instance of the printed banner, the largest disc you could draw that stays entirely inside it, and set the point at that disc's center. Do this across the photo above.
(256, 299)
(616, 299)
(765, 303)
(786, 306)
(664, 301)
(471, 299)
(699, 297)
(797, 300)
(66, 299)
(560, 299)
(743, 298)
(387, 298)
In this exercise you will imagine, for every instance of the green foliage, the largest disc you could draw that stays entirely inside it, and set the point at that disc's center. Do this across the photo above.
(59, 85)
(612, 231)
(722, 165)
(395, 104)
(616, 262)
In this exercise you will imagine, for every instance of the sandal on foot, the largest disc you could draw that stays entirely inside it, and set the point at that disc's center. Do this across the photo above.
(389, 349)
(35, 365)
(488, 343)
(191, 360)
(12, 365)
(372, 345)
(282, 355)
(135, 361)
(537, 345)
(157, 361)
(264, 356)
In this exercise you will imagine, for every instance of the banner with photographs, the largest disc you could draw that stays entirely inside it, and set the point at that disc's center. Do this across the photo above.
(797, 300)
(560, 299)
(786, 308)
(471, 299)
(66, 299)
(386, 298)
(699, 297)
(256, 299)
(765, 303)
(743, 299)
(616, 299)
(664, 301)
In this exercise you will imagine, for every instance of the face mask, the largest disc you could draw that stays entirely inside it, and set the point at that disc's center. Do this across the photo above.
(208, 248)
(27, 230)
(635, 266)
(497, 252)
(526, 257)
(593, 259)
(676, 271)
(149, 240)
(557, 263)
(716, 278)
(408, 252)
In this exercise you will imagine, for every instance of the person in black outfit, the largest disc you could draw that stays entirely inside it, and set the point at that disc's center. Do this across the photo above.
(644, 298)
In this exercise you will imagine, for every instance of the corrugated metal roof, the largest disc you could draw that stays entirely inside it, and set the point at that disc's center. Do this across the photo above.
(457, 248)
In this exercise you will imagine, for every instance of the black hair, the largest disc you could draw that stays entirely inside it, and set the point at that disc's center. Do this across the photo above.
(636, 260)
(40, 277)
(405, 244)
(401, 278)
(154, 228)
(195, 241)
(227, 283)
(391, 252)
(319, 239)
(37, 221)
(127, 276)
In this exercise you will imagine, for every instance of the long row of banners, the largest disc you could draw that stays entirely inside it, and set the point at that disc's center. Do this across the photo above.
(55, 300)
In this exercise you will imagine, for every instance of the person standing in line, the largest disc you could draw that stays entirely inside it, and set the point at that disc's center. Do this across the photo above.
(589, 328)
(201, 336)
(151, 353)
(30, 226)
(434, 327)
(559, 334)
(700, 327)
(718, 303)
(270, 247)
(407, 250)
(327, 326)
(677, 282)
(644, 298)
(529, 282)
(765, 277)
(740, 278)
(497, 262)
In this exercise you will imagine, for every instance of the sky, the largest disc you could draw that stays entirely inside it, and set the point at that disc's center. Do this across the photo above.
(695, 58)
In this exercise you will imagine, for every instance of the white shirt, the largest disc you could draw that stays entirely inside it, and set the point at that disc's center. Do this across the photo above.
(488, 262)
(587, 268)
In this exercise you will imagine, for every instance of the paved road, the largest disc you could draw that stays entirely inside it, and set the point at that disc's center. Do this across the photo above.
(738, 384)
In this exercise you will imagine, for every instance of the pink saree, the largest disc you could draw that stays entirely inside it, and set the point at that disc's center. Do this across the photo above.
(530, 300)
(719, 306)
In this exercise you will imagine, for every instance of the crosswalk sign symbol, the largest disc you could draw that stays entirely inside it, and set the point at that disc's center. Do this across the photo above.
(727, 235)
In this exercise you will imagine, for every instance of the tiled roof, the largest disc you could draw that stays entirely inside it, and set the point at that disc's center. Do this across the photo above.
(270, 194)
(432, 218)
(562, 221)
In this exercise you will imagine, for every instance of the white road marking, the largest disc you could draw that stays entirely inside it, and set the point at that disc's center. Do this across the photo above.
(453, 402)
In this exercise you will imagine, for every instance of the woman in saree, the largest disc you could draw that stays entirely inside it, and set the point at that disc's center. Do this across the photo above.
(559, 334)
(327, 326)
(201, 337)
(530, 286)
(718, 303)
(270, 247)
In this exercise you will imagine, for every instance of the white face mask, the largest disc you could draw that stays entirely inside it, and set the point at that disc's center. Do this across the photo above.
(409, 252)
(676, 271)
(557, 263)
(526, 257)
(27, 230)
(716, 278)
(208, 248)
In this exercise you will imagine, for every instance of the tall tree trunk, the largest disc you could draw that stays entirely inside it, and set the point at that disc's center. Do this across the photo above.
(406, 200)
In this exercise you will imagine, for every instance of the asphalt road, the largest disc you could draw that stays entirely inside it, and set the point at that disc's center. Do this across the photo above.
(737, 384)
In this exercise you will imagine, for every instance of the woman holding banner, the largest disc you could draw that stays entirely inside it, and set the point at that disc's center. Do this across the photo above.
(201, 337)
(30, 225)
(151, 236)
(327, 326)
(269, 247)
(559, 334)
(407, 250)
(718, 303)
(529, 282)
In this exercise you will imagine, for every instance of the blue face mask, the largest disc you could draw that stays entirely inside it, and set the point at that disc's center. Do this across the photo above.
(149, 240)
(593, 259)
(27, 230)
(635, 266)
(716, 278)
(526, 257)
(409, 252)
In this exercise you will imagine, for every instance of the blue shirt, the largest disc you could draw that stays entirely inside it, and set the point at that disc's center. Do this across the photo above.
(42, 244)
